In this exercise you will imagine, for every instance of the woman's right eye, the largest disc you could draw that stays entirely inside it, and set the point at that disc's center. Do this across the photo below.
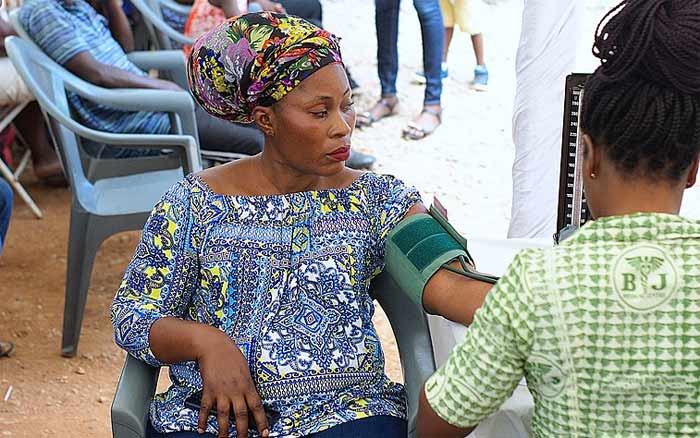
(320, 114)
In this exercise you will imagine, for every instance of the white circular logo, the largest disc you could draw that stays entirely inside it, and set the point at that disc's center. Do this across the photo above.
(644, 277)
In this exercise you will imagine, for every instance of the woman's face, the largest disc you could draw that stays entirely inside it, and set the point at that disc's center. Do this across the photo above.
(310, 129)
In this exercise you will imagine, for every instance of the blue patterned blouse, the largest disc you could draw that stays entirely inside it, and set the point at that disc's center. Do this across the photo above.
(287, 278)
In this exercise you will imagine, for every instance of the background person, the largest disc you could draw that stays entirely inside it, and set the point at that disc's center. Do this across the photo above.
(6, 347)
(93, 47)
(387, 25)
(461, 13)
(546, 55)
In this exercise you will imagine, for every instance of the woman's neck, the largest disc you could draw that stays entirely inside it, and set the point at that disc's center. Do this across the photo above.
(279, 178)
(628, 197)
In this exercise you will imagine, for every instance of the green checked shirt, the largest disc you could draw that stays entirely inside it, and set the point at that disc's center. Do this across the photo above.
(605, 327)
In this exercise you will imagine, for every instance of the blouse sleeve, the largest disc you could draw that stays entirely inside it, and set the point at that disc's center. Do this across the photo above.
(393, 199)
(484, 370)
(161, 276)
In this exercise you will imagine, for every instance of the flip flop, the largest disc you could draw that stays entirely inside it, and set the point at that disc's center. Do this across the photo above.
(6, 348)
(408, 133)
(365, 119)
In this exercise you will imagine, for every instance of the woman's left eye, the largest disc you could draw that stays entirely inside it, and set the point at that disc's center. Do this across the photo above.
(349, 106)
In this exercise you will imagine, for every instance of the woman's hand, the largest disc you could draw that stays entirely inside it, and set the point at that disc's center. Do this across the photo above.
(227, 386)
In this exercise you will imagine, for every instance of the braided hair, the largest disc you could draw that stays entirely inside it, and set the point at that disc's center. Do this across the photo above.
(642, 105)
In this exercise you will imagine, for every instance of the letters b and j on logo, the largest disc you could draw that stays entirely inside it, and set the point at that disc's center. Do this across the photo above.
(644, 277)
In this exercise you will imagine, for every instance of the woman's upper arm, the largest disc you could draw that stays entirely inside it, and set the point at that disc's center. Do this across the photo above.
(161, 276)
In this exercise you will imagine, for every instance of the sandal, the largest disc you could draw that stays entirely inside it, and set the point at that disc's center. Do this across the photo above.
(415, 132)
(6, 348)
(365, 119)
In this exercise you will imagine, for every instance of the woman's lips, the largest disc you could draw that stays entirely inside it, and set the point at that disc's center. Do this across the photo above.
(340, 154)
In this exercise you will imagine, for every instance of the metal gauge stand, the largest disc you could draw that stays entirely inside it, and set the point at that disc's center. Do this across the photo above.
(572, 212)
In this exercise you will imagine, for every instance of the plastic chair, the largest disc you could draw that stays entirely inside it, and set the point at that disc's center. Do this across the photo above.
(105, 206)
(161, 32)
(7, 115)
(137, 382)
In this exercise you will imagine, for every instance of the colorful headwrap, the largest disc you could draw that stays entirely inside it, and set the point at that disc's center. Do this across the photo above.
(255, 60)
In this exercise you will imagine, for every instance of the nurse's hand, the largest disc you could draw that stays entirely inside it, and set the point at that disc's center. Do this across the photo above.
(227, 386)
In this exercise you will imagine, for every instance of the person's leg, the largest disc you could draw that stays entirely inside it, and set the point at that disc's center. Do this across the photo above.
(387, 25)
(547, 53)
(220, 135)
(449, 32)
(478, 45)
(30, 123)
(447, 8)
(386, 20)
(310, 10)
(382, 426)
(5, 210)
(433, 34)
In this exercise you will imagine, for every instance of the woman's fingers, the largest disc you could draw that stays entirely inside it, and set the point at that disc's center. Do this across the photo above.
(204, 409)
(240, 411)
(223, 407)
(256, 408)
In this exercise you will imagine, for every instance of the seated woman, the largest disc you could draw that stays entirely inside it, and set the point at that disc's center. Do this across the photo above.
(251, 279)
(605, 326)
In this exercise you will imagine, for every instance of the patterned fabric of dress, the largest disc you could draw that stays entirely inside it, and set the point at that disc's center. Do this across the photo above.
(605, 327)
(287, 278)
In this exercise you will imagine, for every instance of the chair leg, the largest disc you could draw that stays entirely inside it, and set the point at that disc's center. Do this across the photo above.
(14, 182)
(82, 248)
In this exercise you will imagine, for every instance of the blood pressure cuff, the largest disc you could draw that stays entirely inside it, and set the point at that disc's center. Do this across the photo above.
(418, 247)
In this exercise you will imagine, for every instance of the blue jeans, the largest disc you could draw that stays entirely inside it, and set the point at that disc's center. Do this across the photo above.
(381, 426)
(432, 30)
(5, 210)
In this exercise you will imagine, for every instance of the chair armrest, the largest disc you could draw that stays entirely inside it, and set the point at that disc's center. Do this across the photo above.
(185, 145)
(410, 326)
(133, 99)
(150, 16)
(177, 7)
(132, 400)
(139, 99)
(172, 60)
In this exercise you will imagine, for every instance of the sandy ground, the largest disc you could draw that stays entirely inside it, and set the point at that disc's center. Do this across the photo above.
(466, 163)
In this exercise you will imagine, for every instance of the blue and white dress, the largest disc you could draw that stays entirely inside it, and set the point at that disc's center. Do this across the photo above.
(287, 278)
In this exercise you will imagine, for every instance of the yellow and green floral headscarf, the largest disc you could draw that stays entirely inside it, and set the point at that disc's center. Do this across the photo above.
(255, 60)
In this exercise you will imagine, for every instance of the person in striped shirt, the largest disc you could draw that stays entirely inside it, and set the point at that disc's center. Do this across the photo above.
(606, 326)
(94, 47)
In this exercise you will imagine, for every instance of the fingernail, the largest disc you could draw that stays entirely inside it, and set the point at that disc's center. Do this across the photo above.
(200, 430)
(266, 433)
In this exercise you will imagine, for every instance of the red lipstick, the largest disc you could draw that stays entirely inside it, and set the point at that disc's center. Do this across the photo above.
(341, 154)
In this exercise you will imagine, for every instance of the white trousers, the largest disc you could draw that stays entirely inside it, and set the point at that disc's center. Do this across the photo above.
(546, 55)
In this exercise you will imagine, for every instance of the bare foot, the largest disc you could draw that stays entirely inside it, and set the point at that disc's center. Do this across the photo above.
(47, 168)
(385, 107)
(425, 124)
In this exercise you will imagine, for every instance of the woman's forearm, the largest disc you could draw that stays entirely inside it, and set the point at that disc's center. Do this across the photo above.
(174, 340)
(454, 296)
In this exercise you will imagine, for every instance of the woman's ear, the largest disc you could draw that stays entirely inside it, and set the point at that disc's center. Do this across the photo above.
(693, 172)
(591, 162)
(265, 119)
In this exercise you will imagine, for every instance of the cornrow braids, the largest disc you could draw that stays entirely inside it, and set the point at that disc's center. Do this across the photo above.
(642, 105)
